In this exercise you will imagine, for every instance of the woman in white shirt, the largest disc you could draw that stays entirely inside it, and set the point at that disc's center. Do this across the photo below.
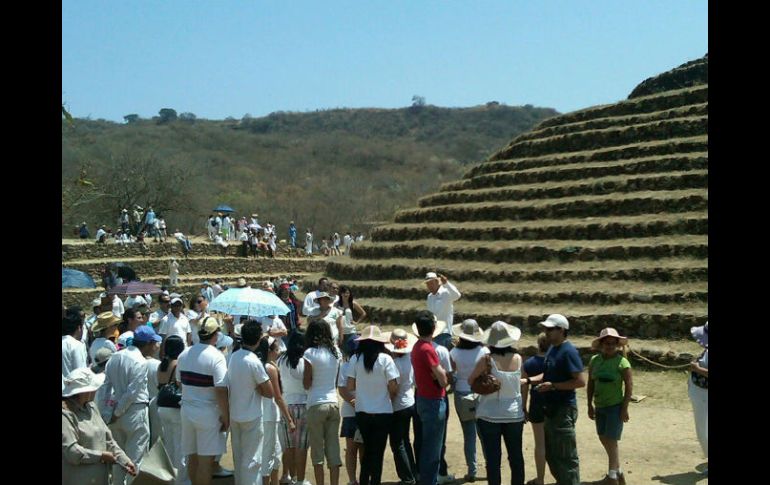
(272, 410)
(374, 376)
(291, 367)
(170, 417)
(354, 444)
(464, 357)
(400, 348)
(352, 314)
(322, 360)
(331, 315)
(501, 414)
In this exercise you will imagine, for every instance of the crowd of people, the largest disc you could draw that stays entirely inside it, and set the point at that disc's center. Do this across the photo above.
(279, 385)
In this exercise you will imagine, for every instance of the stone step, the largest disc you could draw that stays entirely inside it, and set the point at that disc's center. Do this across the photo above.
(647, 270)
(634, 203)
(187, 286)
(573, 142)
(598, 292)
(636, 320)
(584, 171)
(623, 152)
(552, 190)
(612, 227)
(687, 246)
(206, 266)
(150, 249)
(700, 109)
(644, 104)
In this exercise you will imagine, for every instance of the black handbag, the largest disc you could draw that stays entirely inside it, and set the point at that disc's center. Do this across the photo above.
(170, 394)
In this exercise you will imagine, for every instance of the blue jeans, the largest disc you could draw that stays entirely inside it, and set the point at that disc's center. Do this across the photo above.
(469, 435)
(490, 434)
(432, 413)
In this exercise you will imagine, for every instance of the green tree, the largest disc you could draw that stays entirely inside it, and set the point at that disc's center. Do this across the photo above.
(166, 115)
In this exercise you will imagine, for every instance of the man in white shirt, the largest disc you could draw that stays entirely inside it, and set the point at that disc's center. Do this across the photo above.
(310, 306)
(441, 300)
(96, 305)
(205, 404)
(175, 323)
(126, 373)
(101, 235)
(117, 306)
(247, 382)
(217, 288)
(73, 351)
(347, 241)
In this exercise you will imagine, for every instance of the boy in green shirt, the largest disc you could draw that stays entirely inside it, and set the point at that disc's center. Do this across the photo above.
(608, 372)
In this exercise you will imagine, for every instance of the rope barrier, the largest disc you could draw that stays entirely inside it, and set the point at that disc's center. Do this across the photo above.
(673, 367)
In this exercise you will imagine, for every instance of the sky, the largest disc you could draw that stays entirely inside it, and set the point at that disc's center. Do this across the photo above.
(230, 58)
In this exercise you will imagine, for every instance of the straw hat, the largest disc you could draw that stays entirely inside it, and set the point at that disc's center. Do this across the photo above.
(430, 276)
(468, 330)
(501, 335)
(400, 341)
(440, 327)
(608, 332)
(373, 332)
(81, 380)
(105, 320)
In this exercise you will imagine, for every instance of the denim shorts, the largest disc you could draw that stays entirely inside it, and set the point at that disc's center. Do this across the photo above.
(348, 428)
(608, 422)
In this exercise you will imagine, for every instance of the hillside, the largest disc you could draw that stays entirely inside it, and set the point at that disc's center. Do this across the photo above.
(600, 214)
(330, 170)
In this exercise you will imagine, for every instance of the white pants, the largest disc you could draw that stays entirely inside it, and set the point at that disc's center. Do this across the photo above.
(172, 438)
(271, 448)
(172, 277)
(247, 439)
(132, 433)
(156, 428)
(700, 407)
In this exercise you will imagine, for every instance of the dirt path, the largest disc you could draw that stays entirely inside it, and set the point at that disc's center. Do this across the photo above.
(658, 446)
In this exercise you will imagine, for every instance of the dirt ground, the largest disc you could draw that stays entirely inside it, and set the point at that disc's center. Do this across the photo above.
(659, 445)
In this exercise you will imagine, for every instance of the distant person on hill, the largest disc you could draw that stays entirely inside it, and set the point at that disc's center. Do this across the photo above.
(184, 241)
(137, 216)
(149, 221)
(220, 241)
(211, 227)
(173, 272)
(254, 219)
(292, 234)
(348, 242)
(226, 227)
(360, 237)
(83, 231)
(101, 235)
(563, 374)
(308, 242)
(609, 388)
(336, 244)
(123, 220)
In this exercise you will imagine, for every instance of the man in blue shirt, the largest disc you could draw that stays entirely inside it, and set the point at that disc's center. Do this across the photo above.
(562, 375)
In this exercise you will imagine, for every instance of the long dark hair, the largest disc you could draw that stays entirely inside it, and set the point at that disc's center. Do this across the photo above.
(294, 350)
(342, 290)
(371, 350)
(263, 348)
(467, 344)
(502, 351)
(173, 346)
(320, 335)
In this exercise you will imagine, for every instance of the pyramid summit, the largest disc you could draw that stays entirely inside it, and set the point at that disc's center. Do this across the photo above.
(600, 214)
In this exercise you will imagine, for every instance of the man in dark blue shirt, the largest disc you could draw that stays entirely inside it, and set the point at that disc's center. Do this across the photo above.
(562, 375)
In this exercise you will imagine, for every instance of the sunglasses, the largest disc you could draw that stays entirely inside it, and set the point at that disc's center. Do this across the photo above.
(548, 329)
(199, 301)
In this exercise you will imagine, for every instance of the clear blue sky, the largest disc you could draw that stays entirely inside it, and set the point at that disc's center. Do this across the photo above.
(227, 58)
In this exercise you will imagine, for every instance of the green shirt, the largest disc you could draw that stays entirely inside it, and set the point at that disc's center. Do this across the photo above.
(608, 379)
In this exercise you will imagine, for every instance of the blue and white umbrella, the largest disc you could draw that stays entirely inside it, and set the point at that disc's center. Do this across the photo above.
(72, 278)
(249, 301)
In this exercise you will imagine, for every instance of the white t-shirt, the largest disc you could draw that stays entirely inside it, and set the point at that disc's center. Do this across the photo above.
(405, 396)
(73, 355)
(270, 411)
(372, 387)
(291, 381)
(443, 357)
(171, 325)
(270, 324)
(346, 411)
(465, 360)
(331, 319)
(117, 306)
(200, 369)
(152, 376)
(245, 373)
(325, 365)
(347, 321)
